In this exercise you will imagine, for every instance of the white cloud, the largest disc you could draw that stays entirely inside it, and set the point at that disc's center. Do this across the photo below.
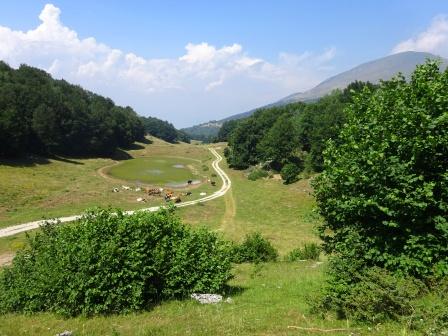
(434, 39)
(205, 83)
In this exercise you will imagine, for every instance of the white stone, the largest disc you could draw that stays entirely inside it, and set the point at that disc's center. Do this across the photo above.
(206, 298)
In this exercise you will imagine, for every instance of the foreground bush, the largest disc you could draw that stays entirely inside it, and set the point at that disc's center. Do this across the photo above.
(371, 295)
(111, 263)
(255, 248)
(257, 174)
(307, 252)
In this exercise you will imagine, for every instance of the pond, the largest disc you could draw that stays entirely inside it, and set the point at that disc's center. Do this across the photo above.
(174, 172)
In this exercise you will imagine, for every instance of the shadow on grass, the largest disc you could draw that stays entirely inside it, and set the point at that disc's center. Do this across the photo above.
(66, 160)
(134, 146)
(24, 161)
(120, 155)
(233, 290)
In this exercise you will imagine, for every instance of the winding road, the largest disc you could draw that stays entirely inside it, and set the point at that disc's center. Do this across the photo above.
(226, 184)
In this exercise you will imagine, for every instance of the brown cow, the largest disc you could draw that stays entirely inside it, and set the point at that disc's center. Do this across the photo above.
(153, 191)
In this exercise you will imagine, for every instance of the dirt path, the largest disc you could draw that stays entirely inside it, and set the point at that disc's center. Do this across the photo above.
(229, 214)
(226, 184)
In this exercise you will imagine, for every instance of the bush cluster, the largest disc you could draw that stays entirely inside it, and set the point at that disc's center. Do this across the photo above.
(290, 172)
(307, 252)
(368, 294)
(255, 248)
(109, 262)
(257, 173)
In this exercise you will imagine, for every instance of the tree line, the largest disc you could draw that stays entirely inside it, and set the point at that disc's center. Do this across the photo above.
(293, 134)
(163, 130)
(42, 115)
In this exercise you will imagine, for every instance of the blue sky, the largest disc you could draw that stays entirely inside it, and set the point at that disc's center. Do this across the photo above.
(241, 54)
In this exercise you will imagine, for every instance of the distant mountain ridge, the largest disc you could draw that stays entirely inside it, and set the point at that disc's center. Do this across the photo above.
(380, 69)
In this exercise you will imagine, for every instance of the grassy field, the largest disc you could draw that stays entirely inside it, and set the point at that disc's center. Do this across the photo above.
(266, 299)
(158, 170)
(264, 302)
(32, 189)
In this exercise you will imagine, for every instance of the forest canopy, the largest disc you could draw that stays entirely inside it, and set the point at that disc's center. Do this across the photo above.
(291, 134)
(39, 114)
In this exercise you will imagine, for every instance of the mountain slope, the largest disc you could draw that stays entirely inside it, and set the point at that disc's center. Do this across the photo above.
(380, 69)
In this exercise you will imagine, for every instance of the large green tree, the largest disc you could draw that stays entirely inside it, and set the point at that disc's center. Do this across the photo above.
(280, 143)
(384, 190)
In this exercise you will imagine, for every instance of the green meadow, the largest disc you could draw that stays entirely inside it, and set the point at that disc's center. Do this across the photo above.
(266, 299)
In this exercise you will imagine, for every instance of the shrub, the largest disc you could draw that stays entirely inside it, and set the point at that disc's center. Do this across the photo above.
(257, 173)
(109, 262)
(308, 252)
(431, 312)
(289, 173)
(372, 295)
(205, 168)
(255, 248)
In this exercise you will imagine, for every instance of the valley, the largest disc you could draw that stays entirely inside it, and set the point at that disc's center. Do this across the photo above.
(266, 299)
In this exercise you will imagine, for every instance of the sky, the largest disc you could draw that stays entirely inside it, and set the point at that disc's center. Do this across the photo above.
(194, 61)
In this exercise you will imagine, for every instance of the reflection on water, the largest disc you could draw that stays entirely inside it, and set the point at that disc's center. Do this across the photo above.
(178, 166)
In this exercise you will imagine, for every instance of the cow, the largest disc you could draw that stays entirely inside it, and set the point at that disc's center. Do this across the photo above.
(188, 193)
(153, 191)
(189, 182)
(213, 183)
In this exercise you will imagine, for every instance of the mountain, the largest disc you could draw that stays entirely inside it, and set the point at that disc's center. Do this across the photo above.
(380, 69)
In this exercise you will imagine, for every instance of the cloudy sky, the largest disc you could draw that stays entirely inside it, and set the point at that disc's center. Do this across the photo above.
(193, 61)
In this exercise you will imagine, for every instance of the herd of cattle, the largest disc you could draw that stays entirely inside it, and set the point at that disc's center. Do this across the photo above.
(167, 194)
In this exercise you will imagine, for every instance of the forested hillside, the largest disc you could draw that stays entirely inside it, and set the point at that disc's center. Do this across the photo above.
(163, 130)
(39, 114)
(293, 134)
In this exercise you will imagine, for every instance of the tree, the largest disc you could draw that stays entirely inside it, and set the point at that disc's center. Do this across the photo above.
(319, 122)
(384, 190)
(281, 141)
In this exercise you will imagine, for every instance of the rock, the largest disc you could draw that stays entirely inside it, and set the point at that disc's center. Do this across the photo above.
(206, 298)
(229, 300)
(203, 194)
(65, 333)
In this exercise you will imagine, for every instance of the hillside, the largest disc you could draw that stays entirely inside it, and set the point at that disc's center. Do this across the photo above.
(46, 116)
(380, 69)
